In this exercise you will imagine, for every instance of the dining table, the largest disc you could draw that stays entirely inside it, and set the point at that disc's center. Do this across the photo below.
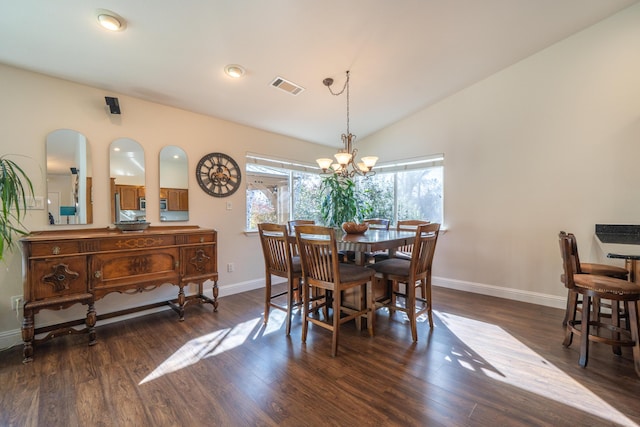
(370, 241)
(360, 244)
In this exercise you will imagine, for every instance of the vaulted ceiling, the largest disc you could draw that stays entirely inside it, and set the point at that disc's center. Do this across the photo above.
(403, 54)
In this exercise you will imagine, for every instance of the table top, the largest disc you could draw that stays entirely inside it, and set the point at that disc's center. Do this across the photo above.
(373, 240)
(370, 241)
(619, 241)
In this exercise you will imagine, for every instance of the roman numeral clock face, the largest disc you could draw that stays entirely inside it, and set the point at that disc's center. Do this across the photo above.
(218, 175)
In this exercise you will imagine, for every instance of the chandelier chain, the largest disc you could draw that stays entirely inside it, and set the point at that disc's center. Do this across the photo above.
(346, 166)
(345, 87)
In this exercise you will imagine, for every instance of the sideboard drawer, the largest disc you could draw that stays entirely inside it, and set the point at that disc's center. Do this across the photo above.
(133, 241)
(57, 277)
(44, 249)
(124, 269)
(199, 238)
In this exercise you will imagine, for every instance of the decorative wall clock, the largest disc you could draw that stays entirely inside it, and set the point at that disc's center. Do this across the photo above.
(218, 175)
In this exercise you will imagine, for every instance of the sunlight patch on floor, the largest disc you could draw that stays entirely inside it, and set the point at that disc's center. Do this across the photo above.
(207, 346)
(496, 353)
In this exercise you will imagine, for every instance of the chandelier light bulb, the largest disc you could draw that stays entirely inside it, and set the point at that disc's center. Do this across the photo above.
(324, 163)
(370, 161)
(343, 158)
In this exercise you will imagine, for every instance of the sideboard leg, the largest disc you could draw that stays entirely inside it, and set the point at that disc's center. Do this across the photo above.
(91, 323)
(27, 336)
(215, 295)
(181, 300)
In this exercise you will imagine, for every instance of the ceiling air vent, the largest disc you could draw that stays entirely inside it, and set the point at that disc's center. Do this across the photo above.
(286, 86)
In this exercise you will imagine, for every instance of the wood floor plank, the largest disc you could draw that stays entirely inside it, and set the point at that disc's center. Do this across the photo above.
(488, 362)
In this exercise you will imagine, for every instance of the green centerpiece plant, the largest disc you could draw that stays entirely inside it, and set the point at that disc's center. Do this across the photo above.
(15, 185)
(340, 202)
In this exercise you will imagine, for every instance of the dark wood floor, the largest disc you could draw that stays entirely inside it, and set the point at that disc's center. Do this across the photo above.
(487, 362)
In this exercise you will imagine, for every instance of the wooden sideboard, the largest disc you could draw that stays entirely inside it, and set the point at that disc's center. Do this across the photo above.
(63, 268)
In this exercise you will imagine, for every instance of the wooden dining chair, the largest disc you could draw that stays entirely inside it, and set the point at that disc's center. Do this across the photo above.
(591, 287)
(280, 261)
(377, 223)
(593, 268)
(403, 251)
(408, 225)
(321, 270)
(395, 271)
(295, 222)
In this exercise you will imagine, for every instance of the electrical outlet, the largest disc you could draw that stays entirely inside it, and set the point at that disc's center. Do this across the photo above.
(16, 302)
(230, 267)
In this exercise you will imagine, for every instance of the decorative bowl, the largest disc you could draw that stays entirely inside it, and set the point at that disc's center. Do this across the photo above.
(354, 228)
(132, 225)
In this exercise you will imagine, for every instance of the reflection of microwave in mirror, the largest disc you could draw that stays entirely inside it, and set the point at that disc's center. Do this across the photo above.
(163, 205)
(143, 204)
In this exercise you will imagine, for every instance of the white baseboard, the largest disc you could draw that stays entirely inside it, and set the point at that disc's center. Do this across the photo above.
(14, 337)
(500, 292)
(9, 339)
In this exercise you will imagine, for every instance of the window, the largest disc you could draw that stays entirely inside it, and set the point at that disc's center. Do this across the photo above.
(279, 190)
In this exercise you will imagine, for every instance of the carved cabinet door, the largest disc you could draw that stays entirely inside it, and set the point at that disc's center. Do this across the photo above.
(57, 277)
(198, 262)
(133, 270)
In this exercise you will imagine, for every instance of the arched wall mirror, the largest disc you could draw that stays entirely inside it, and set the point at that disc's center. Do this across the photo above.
(69, 178)
(126, 168)
(174, 184)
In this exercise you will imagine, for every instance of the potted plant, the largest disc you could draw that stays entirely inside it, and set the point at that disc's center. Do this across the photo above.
(340, 203)
(15, 185)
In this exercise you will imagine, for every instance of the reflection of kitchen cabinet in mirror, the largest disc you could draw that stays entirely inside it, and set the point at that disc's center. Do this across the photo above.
(126, 168)
(69, 178)
(174, 184)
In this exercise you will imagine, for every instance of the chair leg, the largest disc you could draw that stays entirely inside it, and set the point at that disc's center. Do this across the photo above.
(392, 297)
(337, 302)
(635, 336)
(371, 306)
(615, 322)
(566, 312)
(361, 304)
(290, 297)
(427, 297)
(572, 303)
(584, 330)
(267, 297)
(411, 309)
(305, 311)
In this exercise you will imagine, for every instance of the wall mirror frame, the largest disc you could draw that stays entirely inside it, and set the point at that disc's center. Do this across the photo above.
(174, 184)
(127, 181)
(69, 178)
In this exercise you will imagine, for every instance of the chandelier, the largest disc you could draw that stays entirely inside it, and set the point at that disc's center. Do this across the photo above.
(346, 165)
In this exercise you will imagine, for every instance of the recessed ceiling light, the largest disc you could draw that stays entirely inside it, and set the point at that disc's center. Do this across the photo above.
(110, 20)
(234, 70)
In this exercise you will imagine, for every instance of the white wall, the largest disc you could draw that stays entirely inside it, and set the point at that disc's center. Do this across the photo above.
(551, 143)
(32, 105)
(548, 144)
